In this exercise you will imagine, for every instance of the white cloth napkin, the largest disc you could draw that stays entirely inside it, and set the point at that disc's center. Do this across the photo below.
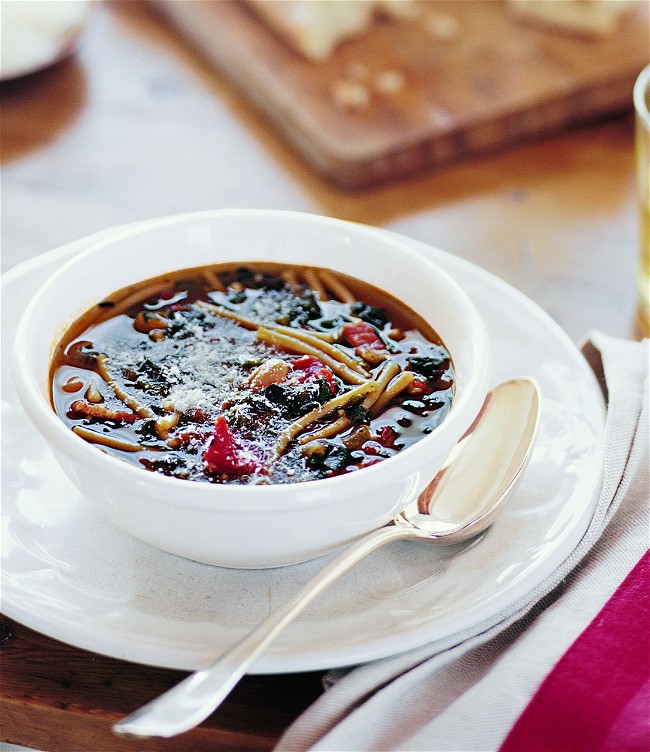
(466, 692)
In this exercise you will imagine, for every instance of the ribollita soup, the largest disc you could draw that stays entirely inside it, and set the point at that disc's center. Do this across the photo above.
(254, 374)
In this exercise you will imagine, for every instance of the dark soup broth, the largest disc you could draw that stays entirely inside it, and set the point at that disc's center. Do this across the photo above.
(254, 374)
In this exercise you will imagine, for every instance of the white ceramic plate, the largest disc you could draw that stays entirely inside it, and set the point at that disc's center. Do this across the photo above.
(67, 572)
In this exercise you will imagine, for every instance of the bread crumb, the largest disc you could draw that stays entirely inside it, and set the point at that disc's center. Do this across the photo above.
(389, 81)
(350, 94)
(441, 25)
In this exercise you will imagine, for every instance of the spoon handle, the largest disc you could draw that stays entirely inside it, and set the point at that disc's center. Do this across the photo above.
(191, 701)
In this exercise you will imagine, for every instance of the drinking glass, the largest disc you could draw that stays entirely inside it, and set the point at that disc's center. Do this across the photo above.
(642, 128)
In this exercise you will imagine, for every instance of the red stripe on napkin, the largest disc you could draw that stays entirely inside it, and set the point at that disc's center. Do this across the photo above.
(597, 697)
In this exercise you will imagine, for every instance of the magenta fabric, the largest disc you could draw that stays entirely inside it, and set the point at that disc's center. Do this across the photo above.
(597, 697)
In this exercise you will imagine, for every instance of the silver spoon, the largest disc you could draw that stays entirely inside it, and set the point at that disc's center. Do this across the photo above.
(461, 502)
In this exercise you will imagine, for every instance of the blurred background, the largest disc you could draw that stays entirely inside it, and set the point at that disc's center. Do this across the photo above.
(500, 131)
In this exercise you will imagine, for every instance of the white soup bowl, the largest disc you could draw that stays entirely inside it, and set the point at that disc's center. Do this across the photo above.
(250, 526)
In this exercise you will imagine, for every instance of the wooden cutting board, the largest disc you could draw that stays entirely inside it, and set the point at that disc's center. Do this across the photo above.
(493, 82)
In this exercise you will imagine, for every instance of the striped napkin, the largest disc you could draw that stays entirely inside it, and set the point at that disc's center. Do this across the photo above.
(566, 669)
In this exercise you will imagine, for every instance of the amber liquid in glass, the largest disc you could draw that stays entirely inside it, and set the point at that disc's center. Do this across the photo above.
(643, 315)
(641, 104)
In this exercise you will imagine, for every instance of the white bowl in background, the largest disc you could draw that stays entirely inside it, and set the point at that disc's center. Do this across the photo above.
(37, 34)
(250, 526)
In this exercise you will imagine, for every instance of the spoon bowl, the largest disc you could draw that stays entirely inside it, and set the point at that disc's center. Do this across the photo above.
(460, 503)
(482, 470)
